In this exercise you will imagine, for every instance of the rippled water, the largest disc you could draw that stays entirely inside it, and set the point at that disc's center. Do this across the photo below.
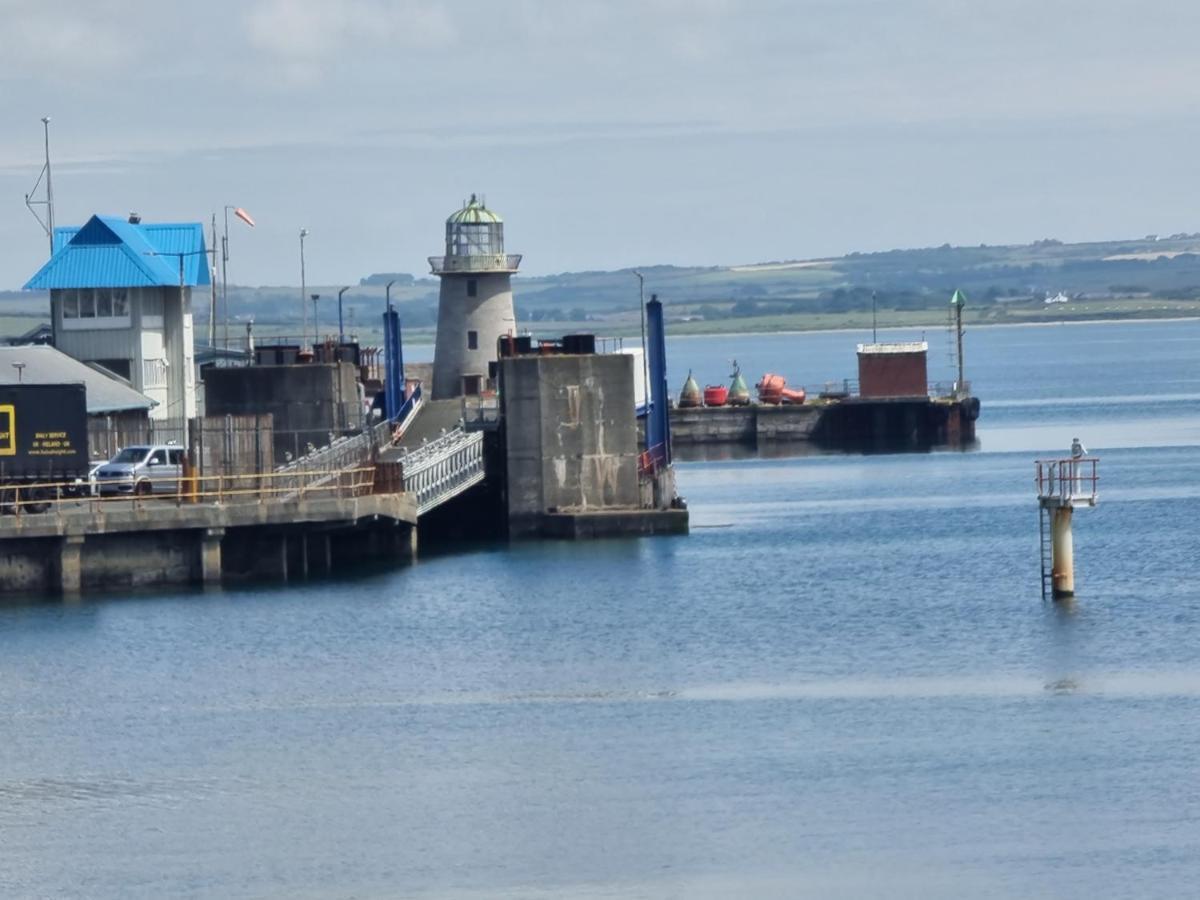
(843, 683)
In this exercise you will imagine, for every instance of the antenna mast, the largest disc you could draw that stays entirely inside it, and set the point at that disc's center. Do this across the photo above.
(47, 223)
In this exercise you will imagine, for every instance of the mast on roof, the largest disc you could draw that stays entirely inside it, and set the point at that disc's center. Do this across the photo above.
(48, 222)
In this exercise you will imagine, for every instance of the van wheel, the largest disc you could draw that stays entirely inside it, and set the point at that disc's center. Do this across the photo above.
(142, 488)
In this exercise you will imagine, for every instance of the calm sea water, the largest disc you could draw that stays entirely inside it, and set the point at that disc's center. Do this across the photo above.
(843, 683)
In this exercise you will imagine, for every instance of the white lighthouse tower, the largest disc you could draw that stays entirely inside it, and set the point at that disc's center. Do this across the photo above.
(475, 306)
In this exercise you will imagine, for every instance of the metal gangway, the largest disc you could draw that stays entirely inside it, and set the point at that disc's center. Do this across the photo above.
(443, 468)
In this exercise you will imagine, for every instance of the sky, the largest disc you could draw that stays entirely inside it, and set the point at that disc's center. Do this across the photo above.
(608, 134)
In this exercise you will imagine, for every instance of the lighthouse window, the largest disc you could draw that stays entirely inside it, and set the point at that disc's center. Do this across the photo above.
(472, 340)
(472, 287)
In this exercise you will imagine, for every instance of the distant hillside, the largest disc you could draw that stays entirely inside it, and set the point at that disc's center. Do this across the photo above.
(1107, 278)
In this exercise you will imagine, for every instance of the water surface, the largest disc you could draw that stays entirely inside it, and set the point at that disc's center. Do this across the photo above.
(843, 683)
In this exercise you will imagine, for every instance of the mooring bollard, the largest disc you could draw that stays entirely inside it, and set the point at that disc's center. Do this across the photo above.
(1061, 484)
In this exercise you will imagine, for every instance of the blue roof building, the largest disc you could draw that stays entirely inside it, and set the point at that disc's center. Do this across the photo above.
(121, 295)
(112, 252)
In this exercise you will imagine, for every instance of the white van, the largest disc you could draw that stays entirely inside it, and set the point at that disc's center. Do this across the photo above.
(145, 469)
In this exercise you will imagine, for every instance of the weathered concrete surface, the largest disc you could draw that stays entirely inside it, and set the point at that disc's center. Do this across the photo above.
(307, 401)
(113, 516)
(125, 544)
(571, 433)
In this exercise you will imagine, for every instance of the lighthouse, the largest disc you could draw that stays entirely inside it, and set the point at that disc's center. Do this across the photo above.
(475, 306)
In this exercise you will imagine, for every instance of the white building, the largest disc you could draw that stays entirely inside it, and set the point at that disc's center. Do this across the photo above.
(120, 297)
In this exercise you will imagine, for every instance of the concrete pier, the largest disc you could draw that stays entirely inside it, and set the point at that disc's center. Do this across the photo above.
(105, 545)
(70, 565)
(845, 424)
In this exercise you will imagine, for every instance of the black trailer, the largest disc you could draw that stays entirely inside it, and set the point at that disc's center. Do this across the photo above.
(43, 434)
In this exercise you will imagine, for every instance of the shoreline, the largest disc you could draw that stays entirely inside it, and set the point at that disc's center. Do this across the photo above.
(966, 326)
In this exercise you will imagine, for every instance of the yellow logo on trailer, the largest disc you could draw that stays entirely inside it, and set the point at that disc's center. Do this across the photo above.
(8, 429)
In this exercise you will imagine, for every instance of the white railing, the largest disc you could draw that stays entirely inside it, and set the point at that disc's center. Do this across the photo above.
(491, 262)
(443, 468)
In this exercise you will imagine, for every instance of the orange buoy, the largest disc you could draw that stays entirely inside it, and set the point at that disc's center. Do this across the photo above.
(715, 395)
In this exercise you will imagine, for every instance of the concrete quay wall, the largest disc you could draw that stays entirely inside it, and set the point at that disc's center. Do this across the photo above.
(122, 545)
(743, 424)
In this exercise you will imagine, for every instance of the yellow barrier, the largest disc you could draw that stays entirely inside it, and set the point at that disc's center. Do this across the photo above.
(261, 486)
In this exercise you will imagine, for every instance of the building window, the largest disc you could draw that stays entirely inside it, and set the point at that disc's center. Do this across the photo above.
(108, 304)
(472, 340)
(472, 287)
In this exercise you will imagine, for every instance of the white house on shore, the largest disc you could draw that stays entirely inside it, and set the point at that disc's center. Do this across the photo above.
(120, 298)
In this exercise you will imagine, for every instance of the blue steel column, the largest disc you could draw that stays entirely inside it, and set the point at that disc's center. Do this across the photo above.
(393, 383)
(658, 420)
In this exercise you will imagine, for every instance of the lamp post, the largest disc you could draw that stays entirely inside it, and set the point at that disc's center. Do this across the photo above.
(245, 217)
(341, 329)
(303, 288)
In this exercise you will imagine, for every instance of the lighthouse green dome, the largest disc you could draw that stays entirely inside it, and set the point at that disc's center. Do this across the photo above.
(474, 212)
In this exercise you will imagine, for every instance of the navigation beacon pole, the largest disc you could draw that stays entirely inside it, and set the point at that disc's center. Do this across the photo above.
(1061, 484)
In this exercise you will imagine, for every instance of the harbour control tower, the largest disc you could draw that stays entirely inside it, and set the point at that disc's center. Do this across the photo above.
(475, 306)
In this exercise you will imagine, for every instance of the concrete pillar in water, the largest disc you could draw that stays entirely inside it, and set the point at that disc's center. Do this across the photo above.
(210, 555)
(1062, 553)
(69, 571)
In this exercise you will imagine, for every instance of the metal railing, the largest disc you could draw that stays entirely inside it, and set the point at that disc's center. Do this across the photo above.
(357, 449)
(1063, 482)
(849, 387)
(490, 262)
(652, 460)
(444, 468)
(255, 489)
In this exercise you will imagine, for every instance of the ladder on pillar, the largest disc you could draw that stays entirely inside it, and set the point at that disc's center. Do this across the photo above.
(1046, 551)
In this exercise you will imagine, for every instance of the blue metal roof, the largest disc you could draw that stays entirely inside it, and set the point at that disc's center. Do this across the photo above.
(108, 251)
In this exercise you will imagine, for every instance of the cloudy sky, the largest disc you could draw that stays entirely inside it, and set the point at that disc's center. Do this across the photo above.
(608, 134)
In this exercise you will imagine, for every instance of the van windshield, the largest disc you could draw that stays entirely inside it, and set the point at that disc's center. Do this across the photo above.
(131, 455)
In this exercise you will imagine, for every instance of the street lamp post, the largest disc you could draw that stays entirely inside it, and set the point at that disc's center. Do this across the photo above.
(303, 288)
(245, 217)
(341, 328)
